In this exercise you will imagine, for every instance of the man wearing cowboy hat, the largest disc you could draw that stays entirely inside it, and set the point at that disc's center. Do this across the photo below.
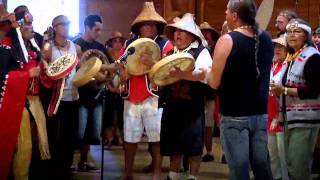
(141, 104)
(182, 122)
(113, 119)
(211, 36)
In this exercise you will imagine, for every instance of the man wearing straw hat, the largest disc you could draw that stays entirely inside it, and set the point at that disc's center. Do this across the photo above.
(141, 104)
(182, 122)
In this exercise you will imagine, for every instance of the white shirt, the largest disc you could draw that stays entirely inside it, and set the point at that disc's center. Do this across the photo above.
(203, 61)
(70, 92)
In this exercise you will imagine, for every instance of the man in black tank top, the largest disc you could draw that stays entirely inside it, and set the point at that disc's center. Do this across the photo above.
(90, 110)
(240, 72)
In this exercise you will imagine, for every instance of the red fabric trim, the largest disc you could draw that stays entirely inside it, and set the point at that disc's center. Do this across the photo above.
(167, 48)
(11, 113)
(273, 113)
(45, 80)
(7, 41)
(55, 97)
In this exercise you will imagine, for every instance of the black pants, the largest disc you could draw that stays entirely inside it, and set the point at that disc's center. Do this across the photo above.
(62, 136)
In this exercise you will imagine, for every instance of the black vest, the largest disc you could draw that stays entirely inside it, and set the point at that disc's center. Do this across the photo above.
(184, 94)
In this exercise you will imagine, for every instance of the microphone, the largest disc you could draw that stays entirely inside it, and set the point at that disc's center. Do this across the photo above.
(129, 52)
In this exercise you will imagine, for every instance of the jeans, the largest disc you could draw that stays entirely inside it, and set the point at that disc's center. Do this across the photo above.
(244, 141)
(91, 115)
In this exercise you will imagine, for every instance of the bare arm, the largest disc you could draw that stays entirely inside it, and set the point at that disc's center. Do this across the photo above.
(221, 53)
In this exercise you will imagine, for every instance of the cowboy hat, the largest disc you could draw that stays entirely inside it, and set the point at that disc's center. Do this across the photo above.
(280, 40)
(115, 34)
(186, 23)
(205, 26)
(148, 13)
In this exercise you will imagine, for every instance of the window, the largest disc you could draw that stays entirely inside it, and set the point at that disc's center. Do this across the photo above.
(43, 11)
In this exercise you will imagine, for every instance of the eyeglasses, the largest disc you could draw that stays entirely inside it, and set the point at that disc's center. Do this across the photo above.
(63, 24)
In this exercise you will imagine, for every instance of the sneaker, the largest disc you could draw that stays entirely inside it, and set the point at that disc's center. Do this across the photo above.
(73, 167)
(223, 159)
(207, 158)
(86, 167)
(148, 169)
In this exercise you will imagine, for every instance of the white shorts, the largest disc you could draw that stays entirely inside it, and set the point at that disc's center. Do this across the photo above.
(142, 116)
(209, 108)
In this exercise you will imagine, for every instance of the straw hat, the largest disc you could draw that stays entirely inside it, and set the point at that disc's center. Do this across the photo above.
(176, 19)
(280, 40)
(115, 34)
(186, 23)
(148, 13)
(206, 26)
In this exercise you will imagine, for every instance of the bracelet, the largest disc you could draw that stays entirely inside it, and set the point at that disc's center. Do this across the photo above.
(285, 91)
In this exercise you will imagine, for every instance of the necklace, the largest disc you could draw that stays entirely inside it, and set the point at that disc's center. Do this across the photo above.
(64, 44)
(246, 27)
(291, 58)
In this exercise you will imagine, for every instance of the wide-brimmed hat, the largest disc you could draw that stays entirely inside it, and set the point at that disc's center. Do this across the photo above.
(3, 13)
(148, 13)
(115, 34)
(186, 23)
(205, 26)
(280, 40)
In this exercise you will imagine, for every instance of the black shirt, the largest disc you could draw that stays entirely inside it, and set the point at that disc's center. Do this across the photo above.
(89, 91)
(241, 93)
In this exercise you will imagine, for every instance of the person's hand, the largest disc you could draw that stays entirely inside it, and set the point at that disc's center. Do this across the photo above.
(111, 68)
(34, 72)
(146, 59)
(86, 54)
(274, 124)
(276, 89)
(176, 73)
(100, 76)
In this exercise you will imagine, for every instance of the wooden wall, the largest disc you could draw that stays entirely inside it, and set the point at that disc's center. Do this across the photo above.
(118, 14)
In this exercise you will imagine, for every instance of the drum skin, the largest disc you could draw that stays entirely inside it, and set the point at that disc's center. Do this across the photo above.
(142, 45)
(87, 71)
(159, 73)
(62, 66)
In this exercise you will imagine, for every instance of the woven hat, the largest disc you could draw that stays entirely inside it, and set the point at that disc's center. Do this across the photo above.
(205, 26)
(148, 13)
(186, 23)
(115, 34)
(280, 40)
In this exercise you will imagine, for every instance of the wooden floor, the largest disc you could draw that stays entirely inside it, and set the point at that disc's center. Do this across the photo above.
(114, 165)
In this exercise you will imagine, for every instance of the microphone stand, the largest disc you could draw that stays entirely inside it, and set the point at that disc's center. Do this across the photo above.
(102, 94)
